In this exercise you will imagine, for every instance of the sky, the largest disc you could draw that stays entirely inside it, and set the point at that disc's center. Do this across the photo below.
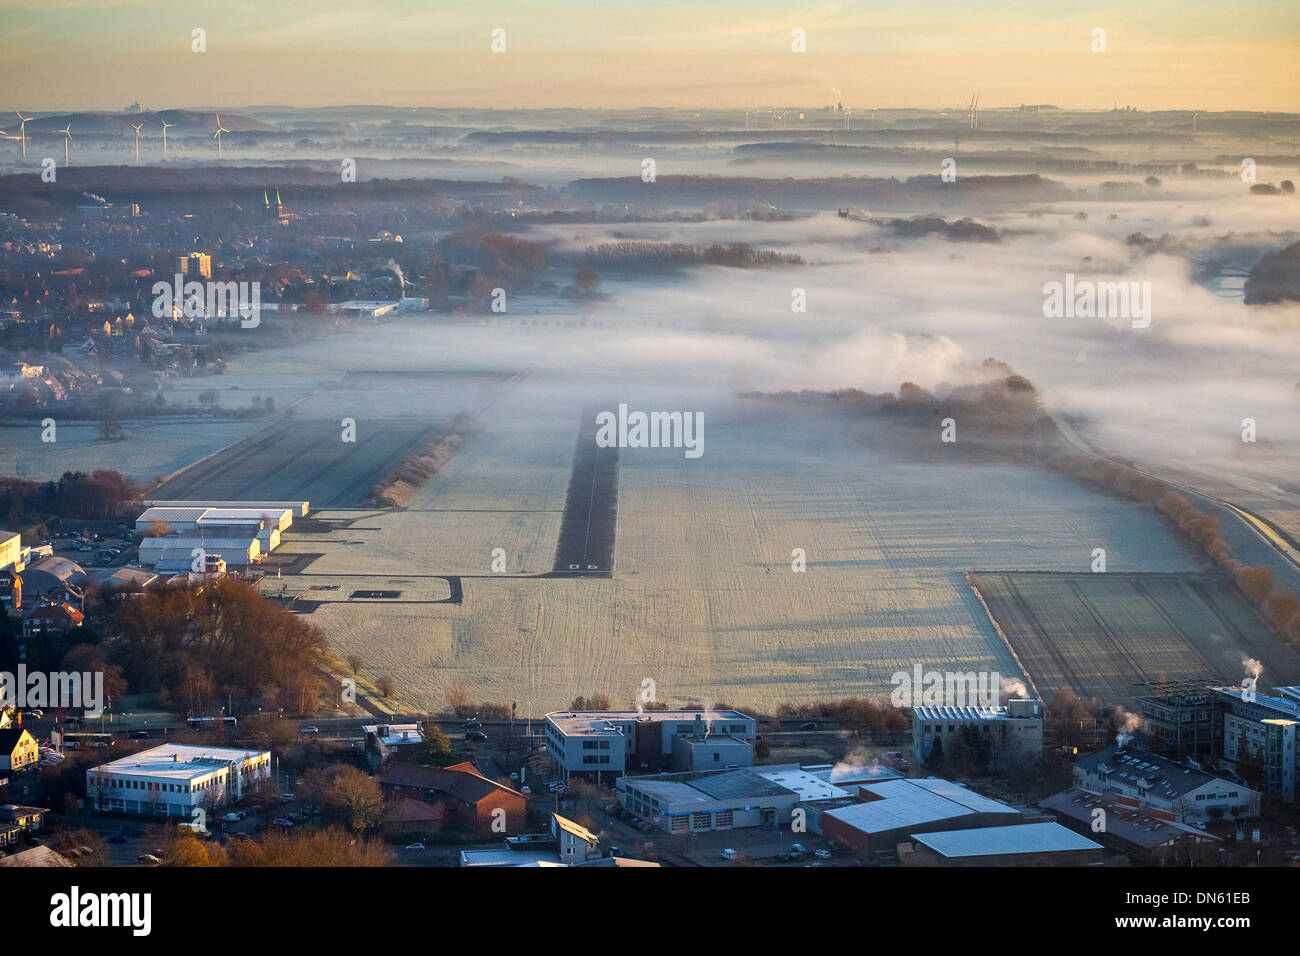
(1159, 54)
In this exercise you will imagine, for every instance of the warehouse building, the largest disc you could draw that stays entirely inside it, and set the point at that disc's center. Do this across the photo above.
(174, 779)
(1148, 837)
(1022, 844)
(743, 797)
(266, 524)
(696, 803)
(298, 508)
(892, 811)
(605, 744)
(179, 552)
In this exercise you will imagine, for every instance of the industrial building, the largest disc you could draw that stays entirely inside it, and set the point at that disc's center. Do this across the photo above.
(1148, 837)
(1185, 790)
(264, 523)
(1012, 734)
(179, 552)
(11, 550)
(1022, 844)
(174, 779)
(605, 744)
(742, 797)
(298, 508)
(888, 813)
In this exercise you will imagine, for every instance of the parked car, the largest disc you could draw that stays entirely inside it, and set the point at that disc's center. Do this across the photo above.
(148, 858)
(281, 822)
(729, 854)
(476, 735)
(415, 846)
(808, 725)
(309, 729)
(798, 848)
(822, 854)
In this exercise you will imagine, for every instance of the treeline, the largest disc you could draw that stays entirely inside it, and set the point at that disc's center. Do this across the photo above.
(1257, 582)
(962, 230)
(652, 256)
(394, 490)
(856, 713)
(199, 646)
(100, 494)
(493, 254)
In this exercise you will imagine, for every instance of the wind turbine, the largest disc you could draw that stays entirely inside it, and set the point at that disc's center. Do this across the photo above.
(22, 130)
(67, 138)
(217, 135)
(136, 127)
(165, 125)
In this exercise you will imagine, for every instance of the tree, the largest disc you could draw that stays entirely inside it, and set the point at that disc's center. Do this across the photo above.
(110, 418)
(586, 283)
(435, 746)
(355, 664)
(935, 758)
(352, 798)
(386, 687)
(1255, 582)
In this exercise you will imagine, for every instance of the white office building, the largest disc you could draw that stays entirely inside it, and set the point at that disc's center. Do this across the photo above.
(600, 743)
(174, 779)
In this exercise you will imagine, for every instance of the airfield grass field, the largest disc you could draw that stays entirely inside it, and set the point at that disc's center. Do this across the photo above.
(703, 599)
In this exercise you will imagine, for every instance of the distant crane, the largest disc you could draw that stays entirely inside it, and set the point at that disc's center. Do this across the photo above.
(67, 138)
(137, 127)
(165, 125)
(217, 135)
(974, 111)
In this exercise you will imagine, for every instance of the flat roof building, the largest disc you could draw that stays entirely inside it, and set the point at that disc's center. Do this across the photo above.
(602, 744)
(178, 552)
(1012, 736)
(299, 508)
(735, 799)
(1023, 844)
(1259, 736)
(175, 779)
(893, 810)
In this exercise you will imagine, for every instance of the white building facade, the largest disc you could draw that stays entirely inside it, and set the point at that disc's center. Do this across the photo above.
(176, 779)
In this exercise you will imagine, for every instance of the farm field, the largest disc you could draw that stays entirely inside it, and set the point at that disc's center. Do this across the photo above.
(151, 448)
(304, 459)
(1100, 634)
(703, 599)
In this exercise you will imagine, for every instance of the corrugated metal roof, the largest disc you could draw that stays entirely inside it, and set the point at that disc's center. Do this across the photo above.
(997, 841)
(905, 803)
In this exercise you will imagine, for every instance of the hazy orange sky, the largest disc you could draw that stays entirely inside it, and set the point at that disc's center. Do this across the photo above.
(75, 54)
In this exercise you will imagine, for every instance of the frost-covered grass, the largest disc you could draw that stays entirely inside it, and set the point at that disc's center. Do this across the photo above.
(703, 598)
